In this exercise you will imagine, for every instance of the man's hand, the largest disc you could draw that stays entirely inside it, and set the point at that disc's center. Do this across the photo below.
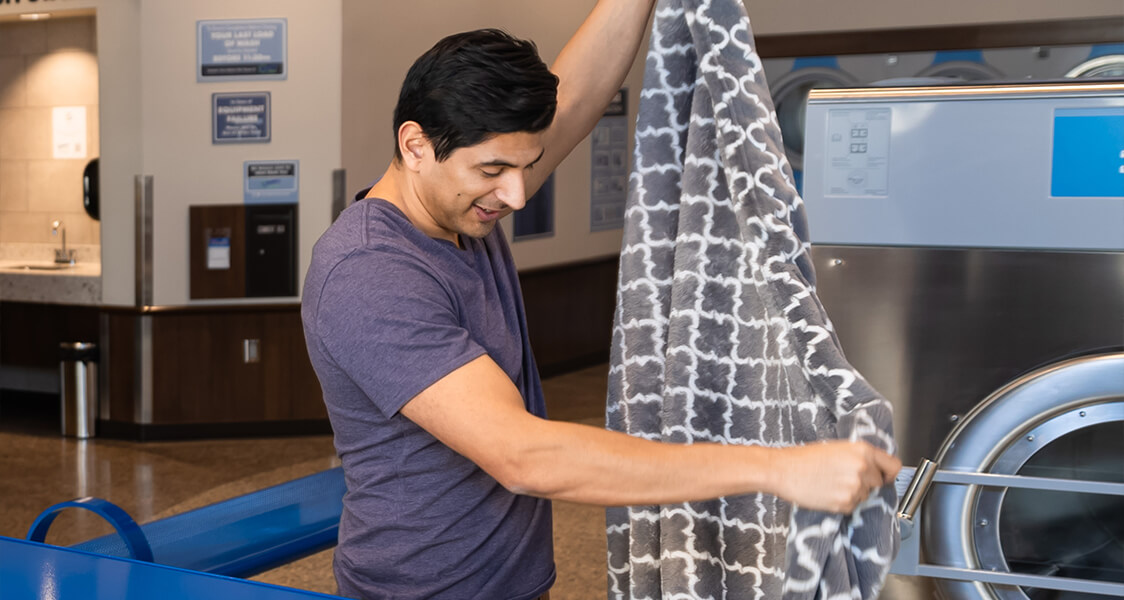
(832, 476)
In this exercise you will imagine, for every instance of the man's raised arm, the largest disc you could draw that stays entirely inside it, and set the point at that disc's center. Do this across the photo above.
(590, 69)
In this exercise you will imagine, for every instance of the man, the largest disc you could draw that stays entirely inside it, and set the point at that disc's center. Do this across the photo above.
(415, 326)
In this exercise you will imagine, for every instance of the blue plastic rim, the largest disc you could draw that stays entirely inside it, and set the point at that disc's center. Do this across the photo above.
(126, 527)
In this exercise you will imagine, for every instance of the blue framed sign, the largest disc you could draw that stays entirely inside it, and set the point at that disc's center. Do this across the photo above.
(240, 118)
(271, 181)
(241, 49)
(536, 219)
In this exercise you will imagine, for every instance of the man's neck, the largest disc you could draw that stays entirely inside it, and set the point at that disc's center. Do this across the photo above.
(394, 187)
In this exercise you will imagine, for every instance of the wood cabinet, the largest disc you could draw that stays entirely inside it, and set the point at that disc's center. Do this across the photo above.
(232, 367)
(202, 380)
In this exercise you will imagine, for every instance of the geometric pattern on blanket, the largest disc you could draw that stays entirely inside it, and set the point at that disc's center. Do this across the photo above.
(719, 337)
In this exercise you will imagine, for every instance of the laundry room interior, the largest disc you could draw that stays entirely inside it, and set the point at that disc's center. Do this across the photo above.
(952, 173)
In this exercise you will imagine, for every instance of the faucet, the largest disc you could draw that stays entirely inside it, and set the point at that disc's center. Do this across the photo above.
(62, 256)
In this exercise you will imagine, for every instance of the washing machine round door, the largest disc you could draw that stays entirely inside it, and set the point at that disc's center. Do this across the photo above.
(790, 97)
(1111, 65)
(1065, 421)
(961, 70)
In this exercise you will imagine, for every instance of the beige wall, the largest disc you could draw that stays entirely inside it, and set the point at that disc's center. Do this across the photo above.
(45, 64)
(187, 169)
(381, 40)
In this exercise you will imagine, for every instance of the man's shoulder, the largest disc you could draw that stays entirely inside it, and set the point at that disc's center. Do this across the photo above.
(365, 247)
(366, 227)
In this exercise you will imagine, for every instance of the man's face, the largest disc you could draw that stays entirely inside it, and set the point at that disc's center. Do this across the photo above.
(476, 186)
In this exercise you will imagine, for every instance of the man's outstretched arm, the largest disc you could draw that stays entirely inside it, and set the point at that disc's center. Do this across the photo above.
(590, 69)
(477, 412)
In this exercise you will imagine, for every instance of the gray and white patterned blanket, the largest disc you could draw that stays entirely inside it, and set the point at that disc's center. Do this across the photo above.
(719, 335)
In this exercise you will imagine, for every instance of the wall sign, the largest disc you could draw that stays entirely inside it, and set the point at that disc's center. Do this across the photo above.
(609, 170)
(241, 49)
(240, 118)
(271, 181)
(536, 219)
(218, 249)
(68, 132)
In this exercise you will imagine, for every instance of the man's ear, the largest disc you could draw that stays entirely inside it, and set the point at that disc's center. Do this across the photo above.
(412, 144)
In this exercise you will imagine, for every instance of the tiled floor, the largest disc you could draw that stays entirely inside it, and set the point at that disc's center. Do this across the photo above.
(157, 479)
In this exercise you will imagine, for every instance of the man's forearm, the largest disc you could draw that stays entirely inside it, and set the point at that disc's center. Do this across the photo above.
(568, 461)
(476, 411)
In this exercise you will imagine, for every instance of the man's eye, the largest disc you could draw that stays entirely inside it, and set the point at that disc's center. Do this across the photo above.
(491, 173)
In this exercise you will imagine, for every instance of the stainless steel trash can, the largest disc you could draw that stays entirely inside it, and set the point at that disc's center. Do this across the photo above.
(78, 371)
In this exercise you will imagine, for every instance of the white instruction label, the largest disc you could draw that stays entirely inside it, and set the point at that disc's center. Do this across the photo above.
(218, 253)
(68, 132)
(858, 152)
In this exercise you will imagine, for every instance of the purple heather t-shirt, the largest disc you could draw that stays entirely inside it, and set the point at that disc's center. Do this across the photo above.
(387, 312)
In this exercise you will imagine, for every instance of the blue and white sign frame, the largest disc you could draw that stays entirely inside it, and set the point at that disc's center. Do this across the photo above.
(271, 181)
(241, 117)
(231, 50)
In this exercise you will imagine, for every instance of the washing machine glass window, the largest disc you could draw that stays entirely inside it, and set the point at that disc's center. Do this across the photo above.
(1110, 66)
(1057, 533)
(962, 71)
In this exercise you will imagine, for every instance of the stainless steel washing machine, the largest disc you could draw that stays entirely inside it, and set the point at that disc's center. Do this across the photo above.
(969, 248)
(791, 79)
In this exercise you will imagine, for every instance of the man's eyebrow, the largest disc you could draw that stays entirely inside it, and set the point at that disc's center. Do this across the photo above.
(503, 163)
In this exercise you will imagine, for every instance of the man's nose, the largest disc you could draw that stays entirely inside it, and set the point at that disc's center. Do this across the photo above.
(513, 190)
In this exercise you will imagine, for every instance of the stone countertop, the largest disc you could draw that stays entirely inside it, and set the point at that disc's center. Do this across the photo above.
(43, 282)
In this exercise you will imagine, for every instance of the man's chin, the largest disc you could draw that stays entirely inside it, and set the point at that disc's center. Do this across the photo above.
(478, 232)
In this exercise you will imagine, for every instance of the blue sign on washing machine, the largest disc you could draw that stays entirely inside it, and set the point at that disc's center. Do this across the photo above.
(1088, 156)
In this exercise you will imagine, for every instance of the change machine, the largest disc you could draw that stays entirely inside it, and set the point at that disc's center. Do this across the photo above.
(969, 247)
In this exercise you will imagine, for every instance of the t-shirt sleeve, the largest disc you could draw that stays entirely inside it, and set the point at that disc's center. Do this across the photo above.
(391, 326)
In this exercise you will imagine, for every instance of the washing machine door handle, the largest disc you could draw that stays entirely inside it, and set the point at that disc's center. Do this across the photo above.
(920, 479)
(1049, 484)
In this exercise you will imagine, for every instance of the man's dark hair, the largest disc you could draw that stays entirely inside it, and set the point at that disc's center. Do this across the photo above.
(473, 85)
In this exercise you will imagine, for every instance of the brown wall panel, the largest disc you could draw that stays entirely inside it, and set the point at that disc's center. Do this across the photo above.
(570, 313)
(301, 388)
(31, 333)
(118, 364)
(217, 283)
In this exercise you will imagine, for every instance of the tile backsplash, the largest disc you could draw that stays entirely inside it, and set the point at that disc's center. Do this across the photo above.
(43, 65)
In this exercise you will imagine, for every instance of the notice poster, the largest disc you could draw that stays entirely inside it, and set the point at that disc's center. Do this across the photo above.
(241, 49)
(68, 132)
(271, 181)
(240, 118)
(609, 169)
